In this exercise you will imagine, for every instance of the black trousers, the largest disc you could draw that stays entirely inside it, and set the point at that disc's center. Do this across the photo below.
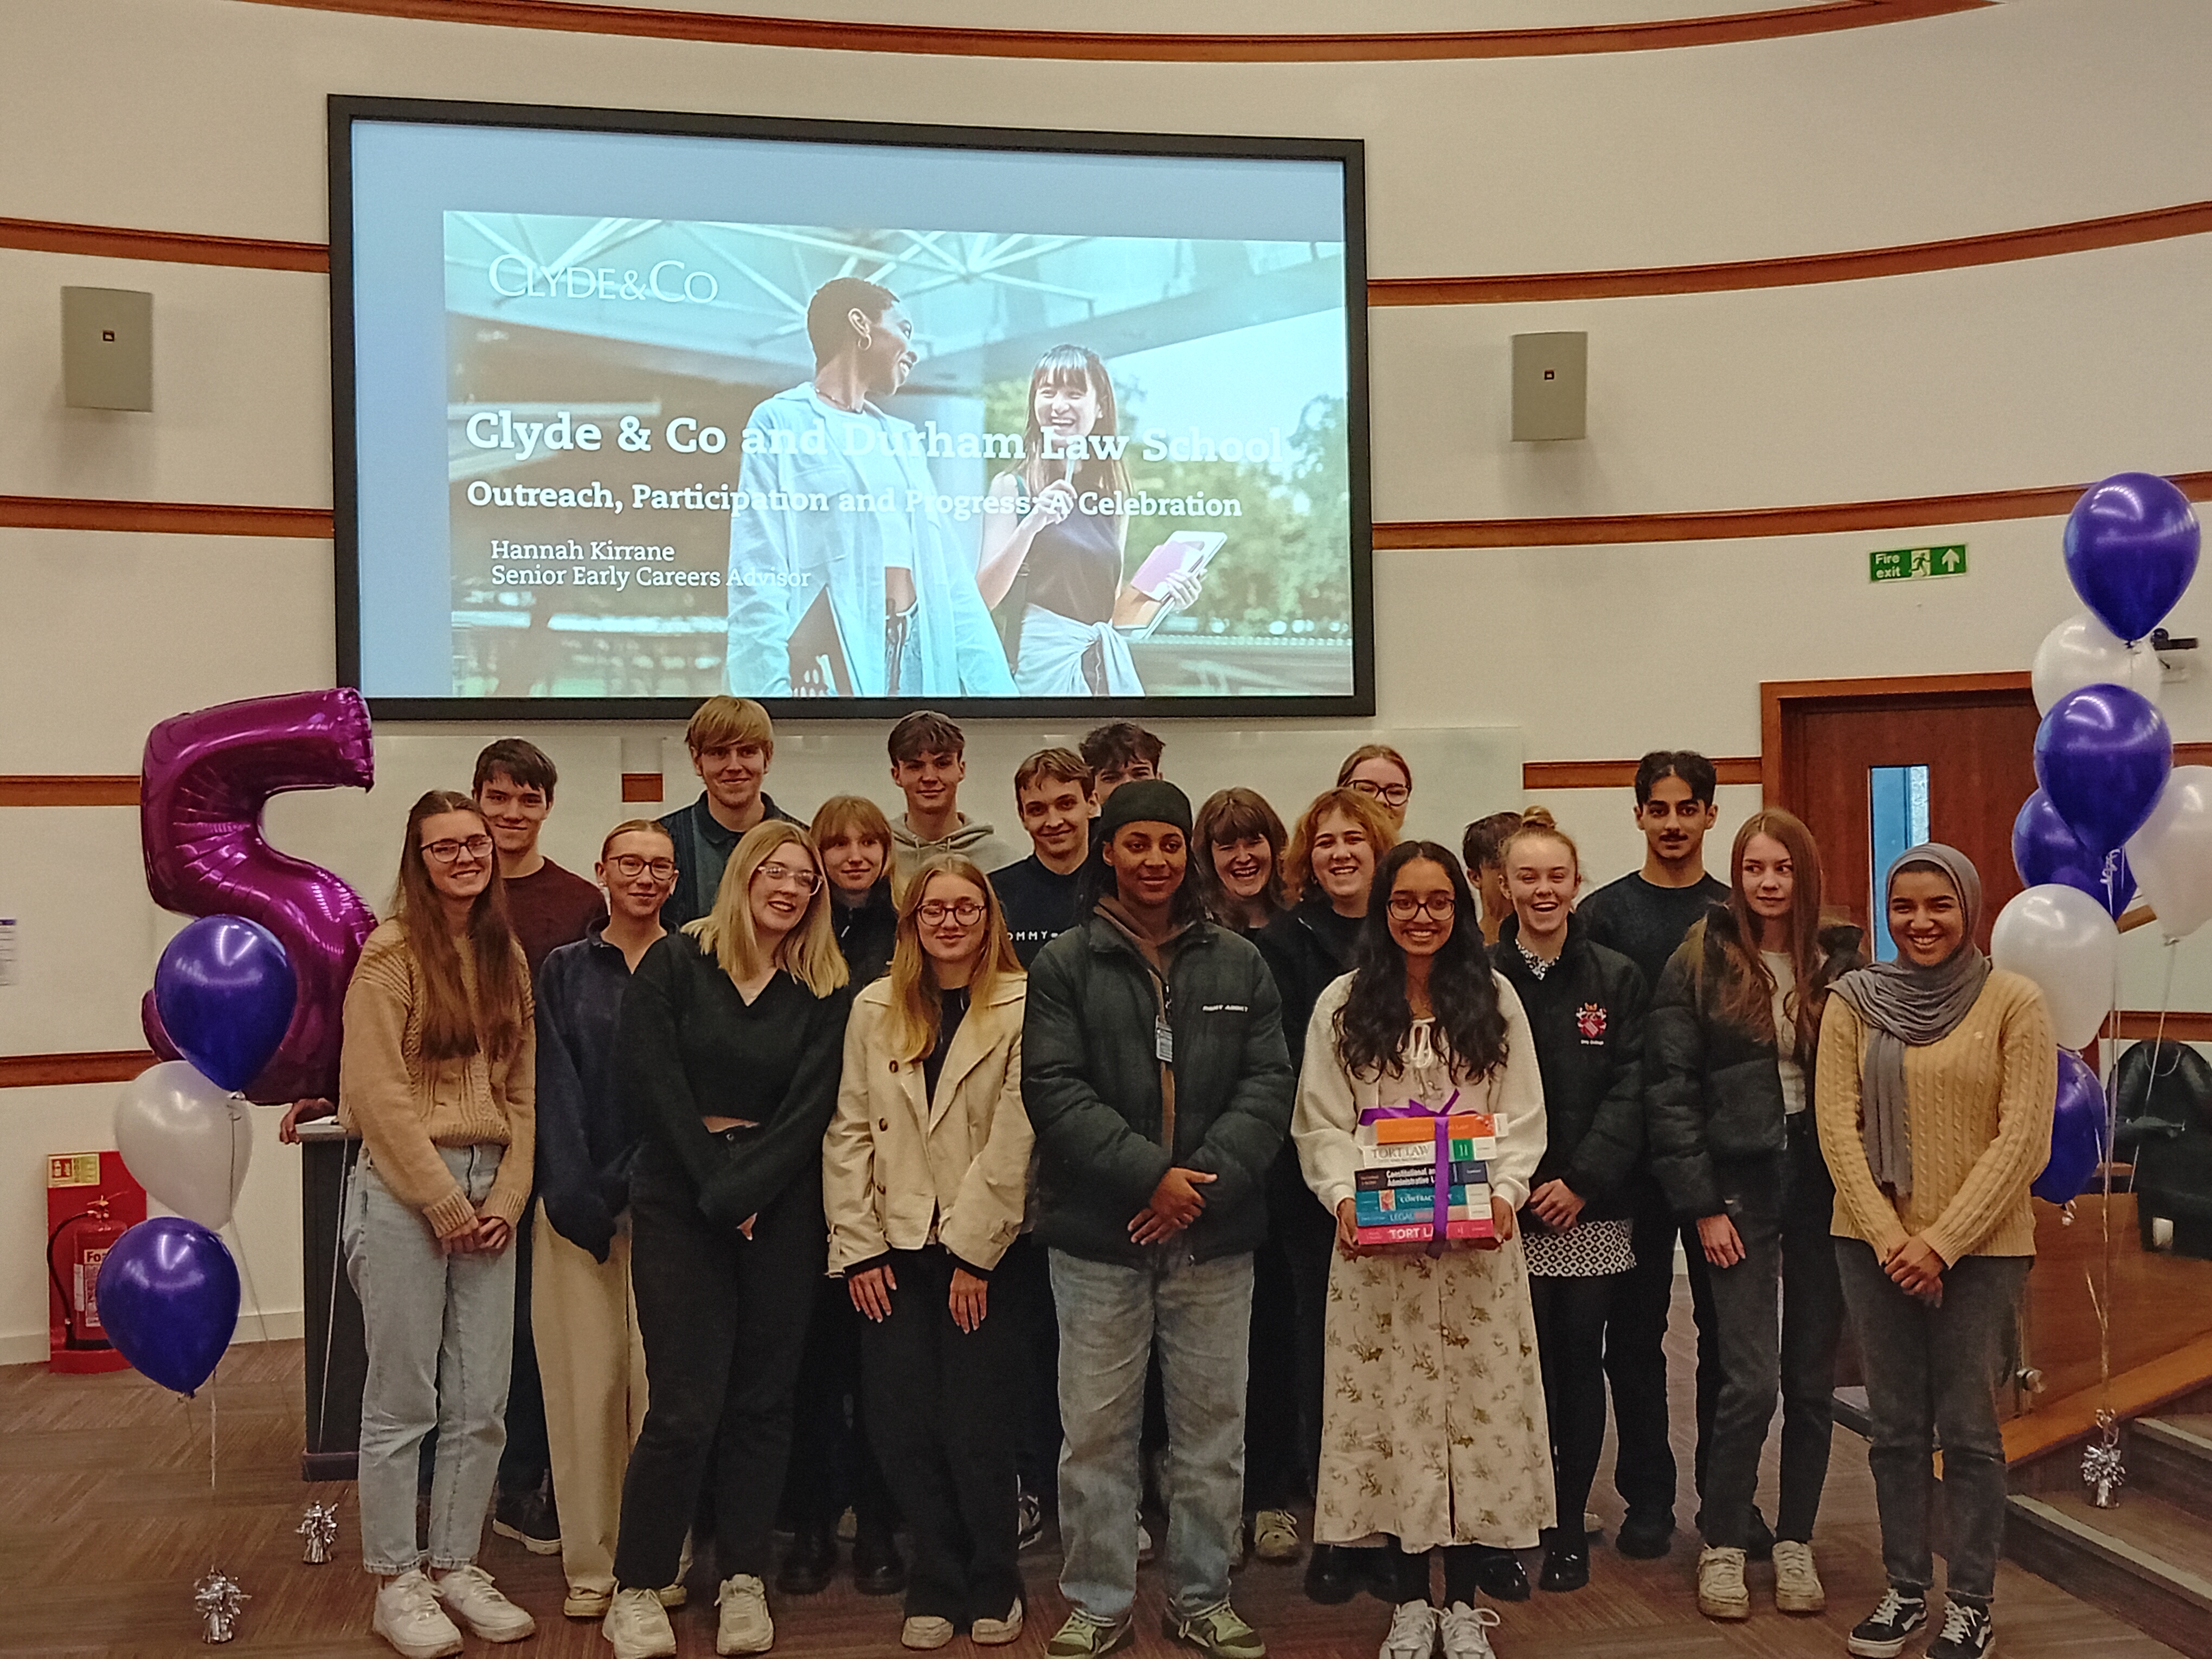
(1644, 1470)
(1306, 1234)
(1275, 1455)
(1571, 1315)
(1021, 1290)
(941, 1401)
(1463, 1568)
(528, 1460)
(833, 1463)
(724, 1321)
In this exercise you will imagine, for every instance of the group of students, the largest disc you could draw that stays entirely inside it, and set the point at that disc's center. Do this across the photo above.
(943, 1184)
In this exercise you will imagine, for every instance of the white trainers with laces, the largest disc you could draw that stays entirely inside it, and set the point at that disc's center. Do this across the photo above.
(1465, 1631)
(1413, 1632)
(474, 1602)
(637, 1625)
(745, 1626)
(409, 1617)
(1797, 1587)
(997, 1632)
(1722, 1593)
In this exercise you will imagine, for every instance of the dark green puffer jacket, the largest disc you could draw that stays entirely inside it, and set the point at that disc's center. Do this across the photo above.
(1713, 1089)
(1093, 1084)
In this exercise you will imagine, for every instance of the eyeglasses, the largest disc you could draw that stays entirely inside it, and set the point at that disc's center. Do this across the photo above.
(1390, 795)
(1405, 906)
(807, 879)
(448, 852)
(629, 866)
(963, 911)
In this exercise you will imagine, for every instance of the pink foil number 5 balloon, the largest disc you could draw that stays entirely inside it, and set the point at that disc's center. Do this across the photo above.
(207, 777)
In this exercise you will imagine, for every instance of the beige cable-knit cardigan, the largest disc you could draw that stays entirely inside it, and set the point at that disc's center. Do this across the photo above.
(405, 1107)
(1979, 1105)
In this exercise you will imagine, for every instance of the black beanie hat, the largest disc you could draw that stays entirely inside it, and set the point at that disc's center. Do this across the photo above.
(1147, 800)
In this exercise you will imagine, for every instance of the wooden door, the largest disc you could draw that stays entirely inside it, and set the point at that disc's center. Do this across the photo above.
(1975, 733)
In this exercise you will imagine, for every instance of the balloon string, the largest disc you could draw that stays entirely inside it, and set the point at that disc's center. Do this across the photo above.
(211, 1431)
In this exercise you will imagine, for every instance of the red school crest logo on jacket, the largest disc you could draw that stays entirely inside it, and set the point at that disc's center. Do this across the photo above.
(1589, 1019)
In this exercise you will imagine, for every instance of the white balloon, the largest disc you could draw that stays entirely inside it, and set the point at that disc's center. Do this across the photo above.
(186, 1140)
(2172, 853)
(2063, 940)
(2082, 651)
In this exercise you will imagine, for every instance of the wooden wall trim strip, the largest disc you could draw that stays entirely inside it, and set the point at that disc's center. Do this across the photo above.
(314, 524)
(669, 24)
(59, 789)
(2180, 1025)
(1999, 247)
(60, 1071)
(172, 247)
(1855, 265)
(1828, 519)
(163, 518)
(1620, 773)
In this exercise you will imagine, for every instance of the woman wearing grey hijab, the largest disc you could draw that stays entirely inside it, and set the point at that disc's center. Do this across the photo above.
(1937, 1074)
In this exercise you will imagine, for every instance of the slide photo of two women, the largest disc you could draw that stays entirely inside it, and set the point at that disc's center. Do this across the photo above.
(687, 457)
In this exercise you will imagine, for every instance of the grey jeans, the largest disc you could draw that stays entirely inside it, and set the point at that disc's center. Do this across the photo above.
(1778, 1315)
(1932, 1375)
(1198, 1315)
(441, 1332)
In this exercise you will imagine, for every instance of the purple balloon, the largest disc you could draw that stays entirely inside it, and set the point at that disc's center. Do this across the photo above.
(225, 993)
(2102, 755)
(207, 776)
(2130, 550)
(2077, 1131)
(168, 1295)
(2044, 850)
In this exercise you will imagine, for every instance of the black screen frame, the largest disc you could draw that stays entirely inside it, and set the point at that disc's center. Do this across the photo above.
(1350, 153)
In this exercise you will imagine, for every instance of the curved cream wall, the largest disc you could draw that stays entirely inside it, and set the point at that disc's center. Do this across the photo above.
(207, 116)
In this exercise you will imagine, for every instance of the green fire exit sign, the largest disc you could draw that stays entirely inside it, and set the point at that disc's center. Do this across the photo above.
(1904, 564)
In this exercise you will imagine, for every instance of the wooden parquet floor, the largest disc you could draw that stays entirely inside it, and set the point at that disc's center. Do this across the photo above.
(107, 1517)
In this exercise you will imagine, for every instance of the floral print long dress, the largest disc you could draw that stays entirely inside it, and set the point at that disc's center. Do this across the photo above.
(1433, 1429)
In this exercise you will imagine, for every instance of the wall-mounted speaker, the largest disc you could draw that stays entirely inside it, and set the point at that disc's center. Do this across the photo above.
(107, 348)
(1551, 386)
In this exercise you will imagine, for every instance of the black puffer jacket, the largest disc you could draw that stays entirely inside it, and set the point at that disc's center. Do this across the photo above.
(1713, 1092)
(1587, 1014)
(1097, 1093)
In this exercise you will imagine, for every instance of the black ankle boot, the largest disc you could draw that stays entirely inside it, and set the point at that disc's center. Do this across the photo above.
(878, 1569)
(1566, 1560)
(810, 1562)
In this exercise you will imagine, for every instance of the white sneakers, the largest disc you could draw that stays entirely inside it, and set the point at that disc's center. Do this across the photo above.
(925, 1630)
(473, 1602)
(409, 1617)
(1413, 1632)
(1798, 1586)
(1465, 1631)
(997, 1632)
(745, 1626)
(1722, 1593)
(1275, 1535)
(637, 1626)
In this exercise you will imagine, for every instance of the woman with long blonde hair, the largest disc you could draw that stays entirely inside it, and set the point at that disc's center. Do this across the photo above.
(438, 1074)
(925, 1170)
(1730, 1049)
(733, 1031)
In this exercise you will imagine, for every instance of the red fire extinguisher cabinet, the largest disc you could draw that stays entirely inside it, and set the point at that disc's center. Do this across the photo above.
(91, 1201)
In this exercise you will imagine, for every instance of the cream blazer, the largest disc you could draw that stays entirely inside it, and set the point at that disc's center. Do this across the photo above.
(898, 1168)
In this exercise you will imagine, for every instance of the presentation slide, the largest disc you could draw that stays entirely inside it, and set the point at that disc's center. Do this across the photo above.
(976, 424)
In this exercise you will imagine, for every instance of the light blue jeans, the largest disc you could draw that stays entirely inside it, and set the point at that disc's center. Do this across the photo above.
(441, 1333)
(1199, 1315)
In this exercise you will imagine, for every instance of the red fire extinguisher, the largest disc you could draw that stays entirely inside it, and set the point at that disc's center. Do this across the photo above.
(84, 1241)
